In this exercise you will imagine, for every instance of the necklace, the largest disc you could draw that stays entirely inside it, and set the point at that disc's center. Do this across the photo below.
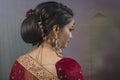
(57, 51)
(40, 52)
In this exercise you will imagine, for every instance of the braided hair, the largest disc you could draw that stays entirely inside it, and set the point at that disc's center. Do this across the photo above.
(40, 21)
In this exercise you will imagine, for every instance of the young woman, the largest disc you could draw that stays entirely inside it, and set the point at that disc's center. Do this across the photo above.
(48, 27)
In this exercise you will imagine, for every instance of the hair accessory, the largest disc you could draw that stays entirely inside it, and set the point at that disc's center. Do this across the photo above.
(29, 12)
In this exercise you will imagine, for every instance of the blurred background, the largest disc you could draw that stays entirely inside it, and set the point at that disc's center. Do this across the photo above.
(96, 38)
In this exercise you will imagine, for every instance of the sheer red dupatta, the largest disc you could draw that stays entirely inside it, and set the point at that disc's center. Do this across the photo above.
(26, 68)
(18, 72)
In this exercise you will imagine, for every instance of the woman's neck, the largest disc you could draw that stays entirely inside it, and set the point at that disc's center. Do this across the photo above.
(47, 54)
(46, 44)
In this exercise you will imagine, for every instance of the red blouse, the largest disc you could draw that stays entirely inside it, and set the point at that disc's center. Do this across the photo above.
(67, 69)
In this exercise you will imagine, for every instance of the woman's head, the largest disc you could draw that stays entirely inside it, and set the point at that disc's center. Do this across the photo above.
(41, 21)
(66, 34)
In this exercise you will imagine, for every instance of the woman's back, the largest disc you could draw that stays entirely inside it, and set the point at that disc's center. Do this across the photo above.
(49, 27)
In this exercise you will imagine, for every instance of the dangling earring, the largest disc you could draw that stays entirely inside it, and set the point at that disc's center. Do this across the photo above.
(57, 44)
(54, 41)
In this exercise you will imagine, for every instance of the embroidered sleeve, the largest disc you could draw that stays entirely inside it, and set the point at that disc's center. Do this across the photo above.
(69, 69)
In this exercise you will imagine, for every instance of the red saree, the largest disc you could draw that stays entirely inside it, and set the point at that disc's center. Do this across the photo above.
(26, 68)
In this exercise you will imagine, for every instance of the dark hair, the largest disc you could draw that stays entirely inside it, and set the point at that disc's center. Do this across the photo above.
(49, 14)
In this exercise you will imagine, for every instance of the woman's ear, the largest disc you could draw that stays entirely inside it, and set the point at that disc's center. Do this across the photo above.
(55, 29)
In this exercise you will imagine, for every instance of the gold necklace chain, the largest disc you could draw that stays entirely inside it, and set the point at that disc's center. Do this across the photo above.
(40, 52)
(57, 51)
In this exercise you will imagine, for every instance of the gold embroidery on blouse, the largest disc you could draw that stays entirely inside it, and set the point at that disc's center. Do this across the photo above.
(36, 68)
